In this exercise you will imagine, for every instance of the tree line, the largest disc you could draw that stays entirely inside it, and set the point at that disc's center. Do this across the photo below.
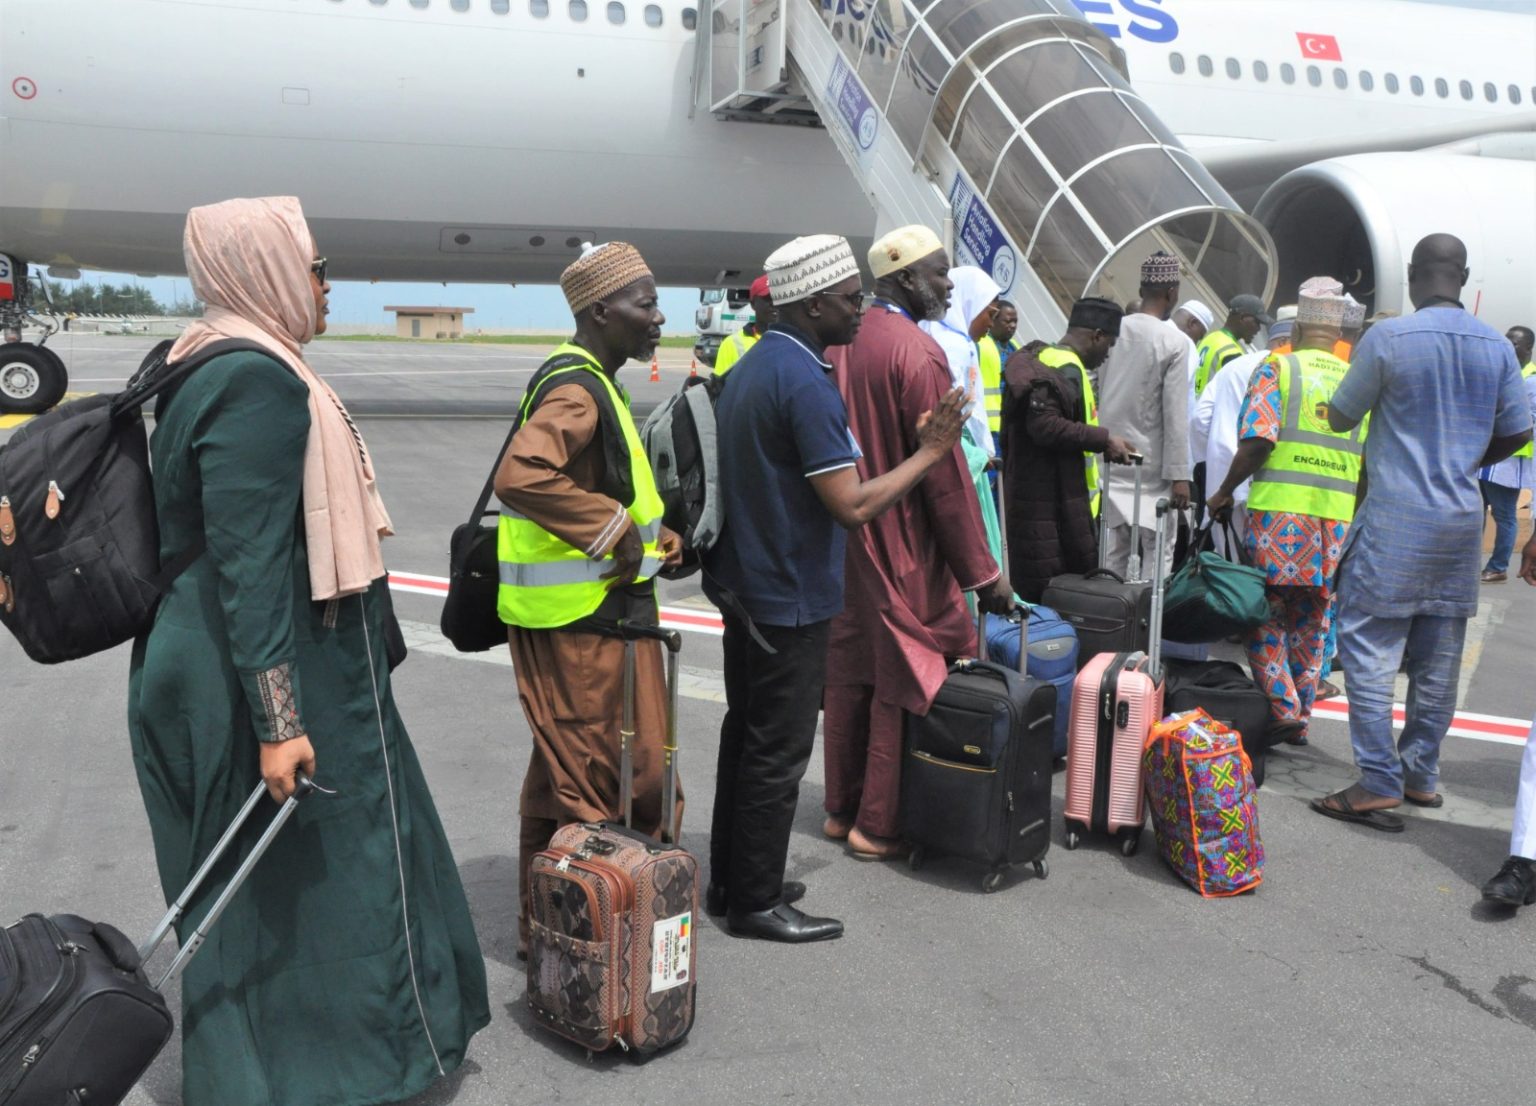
(85, 298)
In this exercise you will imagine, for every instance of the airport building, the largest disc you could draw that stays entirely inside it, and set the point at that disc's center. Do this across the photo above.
(430, 322)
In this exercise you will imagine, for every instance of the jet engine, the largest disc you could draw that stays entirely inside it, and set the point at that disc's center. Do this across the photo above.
(1357, 219)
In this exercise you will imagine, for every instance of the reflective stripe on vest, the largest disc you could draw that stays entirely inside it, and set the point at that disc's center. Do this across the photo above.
(1529, 448)
(1055, 357)
(731, 350)
(1312, 470)
(992, 381)
(546, 582)
(1213, 347)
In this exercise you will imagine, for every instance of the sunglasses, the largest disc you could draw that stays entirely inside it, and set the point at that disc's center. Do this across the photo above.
(855, 299)
(318, 268)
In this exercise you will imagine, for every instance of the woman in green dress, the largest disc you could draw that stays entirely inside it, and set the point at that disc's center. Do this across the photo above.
(346, 972)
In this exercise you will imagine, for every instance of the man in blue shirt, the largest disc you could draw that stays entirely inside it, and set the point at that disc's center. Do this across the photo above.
(789, 488)
(1445, 397)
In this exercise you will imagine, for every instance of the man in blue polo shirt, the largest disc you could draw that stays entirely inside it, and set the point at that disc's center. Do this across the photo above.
(790, 489)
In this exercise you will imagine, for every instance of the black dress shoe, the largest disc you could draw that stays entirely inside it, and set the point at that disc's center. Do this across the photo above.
(1515, 885)
(716, 903)
(783, 923)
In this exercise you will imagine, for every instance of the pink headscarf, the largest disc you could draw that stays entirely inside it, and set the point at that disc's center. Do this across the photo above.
(249, 262)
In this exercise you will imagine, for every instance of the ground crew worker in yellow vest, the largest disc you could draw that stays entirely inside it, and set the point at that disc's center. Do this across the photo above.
(1306, 478)
(1502, 483)
(994, 348)
(580, 542)
(763, 316)
(1245, 317)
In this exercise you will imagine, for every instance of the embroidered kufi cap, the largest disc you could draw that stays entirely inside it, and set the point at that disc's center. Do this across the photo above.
(901, 247)
(1094, 313)
(1199, 311)
(601, 271)
(1161, 268)
(807, 265)
(1322, 286)
(1354, 313)
(1321, 308)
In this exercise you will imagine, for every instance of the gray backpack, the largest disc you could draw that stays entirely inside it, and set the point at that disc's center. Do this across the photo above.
(684, 450)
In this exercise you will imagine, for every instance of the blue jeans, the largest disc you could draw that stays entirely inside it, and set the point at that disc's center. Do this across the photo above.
(1501, 501)
(1371, 649)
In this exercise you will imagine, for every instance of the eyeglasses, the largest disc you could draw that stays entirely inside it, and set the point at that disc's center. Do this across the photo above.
(855, 299)
(318, 268)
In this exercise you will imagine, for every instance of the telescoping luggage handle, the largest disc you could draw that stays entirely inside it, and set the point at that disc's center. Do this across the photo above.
(1159, 586)
(189, 947)
(1133, 566)
(1019, 614)
(632, 632)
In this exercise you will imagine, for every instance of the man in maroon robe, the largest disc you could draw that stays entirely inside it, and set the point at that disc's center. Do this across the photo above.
(904, 617)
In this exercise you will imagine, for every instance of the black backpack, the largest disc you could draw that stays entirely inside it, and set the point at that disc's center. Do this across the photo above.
(80, 567)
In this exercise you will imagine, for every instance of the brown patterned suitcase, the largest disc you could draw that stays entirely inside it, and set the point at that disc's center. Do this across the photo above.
(612, 953)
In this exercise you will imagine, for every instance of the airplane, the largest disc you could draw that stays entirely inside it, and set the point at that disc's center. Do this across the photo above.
(484, 140)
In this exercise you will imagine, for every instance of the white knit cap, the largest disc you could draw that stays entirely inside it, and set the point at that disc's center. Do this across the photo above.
(901, 247)
(1199, 311)
(805, 266)
(1286, 313)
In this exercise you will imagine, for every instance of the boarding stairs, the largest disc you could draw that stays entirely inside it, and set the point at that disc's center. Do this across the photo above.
(1010, 125)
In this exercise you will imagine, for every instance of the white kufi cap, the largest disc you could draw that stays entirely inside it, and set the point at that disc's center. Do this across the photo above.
(805, 266)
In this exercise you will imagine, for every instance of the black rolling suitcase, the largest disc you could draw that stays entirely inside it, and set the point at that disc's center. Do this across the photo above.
(1111, 613)
(1228, 694)
(79, 1020)
(976, 769)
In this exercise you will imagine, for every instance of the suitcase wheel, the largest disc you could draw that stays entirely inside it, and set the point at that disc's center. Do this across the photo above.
(1073, 840)
(1042, 869)
(1129, 845)
(916, 859)
(991, 882)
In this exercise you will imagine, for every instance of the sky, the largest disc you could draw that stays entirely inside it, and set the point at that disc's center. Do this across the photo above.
(529, 306)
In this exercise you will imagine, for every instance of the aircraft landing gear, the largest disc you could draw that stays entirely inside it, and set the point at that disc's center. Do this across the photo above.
(32, 376)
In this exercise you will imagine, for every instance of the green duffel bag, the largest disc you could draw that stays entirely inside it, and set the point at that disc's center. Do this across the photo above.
(1209, 598)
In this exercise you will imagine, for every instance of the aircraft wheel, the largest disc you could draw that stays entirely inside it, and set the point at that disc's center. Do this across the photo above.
(32, 378)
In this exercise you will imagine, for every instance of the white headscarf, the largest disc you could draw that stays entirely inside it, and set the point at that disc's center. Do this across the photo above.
(973, 291)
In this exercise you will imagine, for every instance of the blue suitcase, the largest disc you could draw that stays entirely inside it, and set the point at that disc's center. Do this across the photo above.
(1053, 651)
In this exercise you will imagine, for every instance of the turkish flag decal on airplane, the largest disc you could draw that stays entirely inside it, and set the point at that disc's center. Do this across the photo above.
(1319, 47)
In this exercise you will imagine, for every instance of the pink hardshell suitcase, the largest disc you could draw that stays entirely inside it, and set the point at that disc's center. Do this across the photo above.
(1117, 699)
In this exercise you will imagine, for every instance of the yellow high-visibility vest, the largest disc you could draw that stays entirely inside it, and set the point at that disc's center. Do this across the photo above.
(1529, 448)
(545, 581)
(1215, 349)
(731, 350)
(1313, 470)
(991, 380)
(1058, 357)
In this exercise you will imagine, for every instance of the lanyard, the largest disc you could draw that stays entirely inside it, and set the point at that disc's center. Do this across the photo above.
(893, 308)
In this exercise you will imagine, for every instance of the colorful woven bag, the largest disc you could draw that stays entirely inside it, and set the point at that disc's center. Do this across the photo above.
(1201, 796)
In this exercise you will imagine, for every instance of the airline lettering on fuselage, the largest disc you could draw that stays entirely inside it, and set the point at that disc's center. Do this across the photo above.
(1143, 19)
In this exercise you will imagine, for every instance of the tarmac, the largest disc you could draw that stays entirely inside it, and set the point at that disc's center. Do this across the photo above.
(1365, 967)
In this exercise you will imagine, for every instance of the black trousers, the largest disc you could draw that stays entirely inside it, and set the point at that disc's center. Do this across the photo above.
(765, 744)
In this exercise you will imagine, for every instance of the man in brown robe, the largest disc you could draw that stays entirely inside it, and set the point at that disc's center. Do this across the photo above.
(570, 679)
(904, 616)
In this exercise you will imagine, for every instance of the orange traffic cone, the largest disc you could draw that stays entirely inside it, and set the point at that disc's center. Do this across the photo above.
(655, 370)
(693, 366)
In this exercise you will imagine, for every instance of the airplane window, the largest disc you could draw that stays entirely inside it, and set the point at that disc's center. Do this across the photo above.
(578, 10)
(1206, 67)
(1176, 62)
(1287, 72)
(652, 16)
(378, 3)
(1234, 69)
(539, 9)
(1260, 71)
(419, 3)
(1391, 82)
(1514, 94)
(1417, 85)
(501, 7)
(616, 13)
(1491, 92)
(690, 19)
(1442, 89)
(1340, 79)
(459, 5)
(1367, 82)
(1466, 90)
(1314, 76)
